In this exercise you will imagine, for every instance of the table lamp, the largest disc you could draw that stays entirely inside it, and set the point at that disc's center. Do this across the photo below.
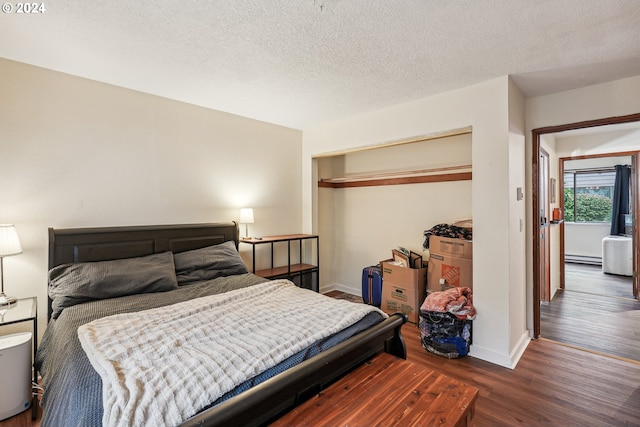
(246, 217)
(9, 245)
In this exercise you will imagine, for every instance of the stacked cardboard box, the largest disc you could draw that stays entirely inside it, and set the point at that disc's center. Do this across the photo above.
(403, 289)
(450, 263)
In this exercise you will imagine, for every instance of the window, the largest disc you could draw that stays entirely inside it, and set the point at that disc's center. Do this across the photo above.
(588, 195)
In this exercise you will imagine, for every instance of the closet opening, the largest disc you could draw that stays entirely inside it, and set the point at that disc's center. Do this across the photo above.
(370, 200)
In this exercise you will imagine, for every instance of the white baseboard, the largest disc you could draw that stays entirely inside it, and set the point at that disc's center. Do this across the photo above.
(342, 288)
(506, 360)
(490, 356)
(520, 348)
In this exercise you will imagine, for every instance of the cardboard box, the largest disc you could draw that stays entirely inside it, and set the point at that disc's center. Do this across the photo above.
(451, 260)
(403, 290)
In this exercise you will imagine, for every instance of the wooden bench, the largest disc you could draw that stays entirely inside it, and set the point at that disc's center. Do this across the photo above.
(388, 391)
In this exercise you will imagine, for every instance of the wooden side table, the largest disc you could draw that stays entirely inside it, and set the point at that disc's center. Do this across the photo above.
(388, 391)
(24, 310)
(291, 270)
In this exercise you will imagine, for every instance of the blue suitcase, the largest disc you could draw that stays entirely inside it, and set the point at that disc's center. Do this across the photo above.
(372, 285)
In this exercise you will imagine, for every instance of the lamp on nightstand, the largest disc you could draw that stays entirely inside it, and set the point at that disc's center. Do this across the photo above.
(9, 245)
(246, 217)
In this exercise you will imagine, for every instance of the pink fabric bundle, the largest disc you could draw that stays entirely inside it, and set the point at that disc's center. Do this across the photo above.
(457, 301)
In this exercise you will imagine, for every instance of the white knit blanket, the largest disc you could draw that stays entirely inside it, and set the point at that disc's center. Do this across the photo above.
(161, 366)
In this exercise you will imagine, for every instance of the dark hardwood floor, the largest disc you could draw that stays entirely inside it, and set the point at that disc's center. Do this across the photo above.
(552, 385)
(590, 279)
(591, 313)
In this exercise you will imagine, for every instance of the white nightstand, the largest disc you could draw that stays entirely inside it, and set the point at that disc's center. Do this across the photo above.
(24, 310)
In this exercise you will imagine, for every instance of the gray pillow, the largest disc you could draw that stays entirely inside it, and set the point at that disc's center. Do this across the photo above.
(71, 284)
(208, 263)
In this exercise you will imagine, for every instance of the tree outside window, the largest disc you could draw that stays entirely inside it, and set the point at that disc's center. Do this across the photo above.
(588, 195)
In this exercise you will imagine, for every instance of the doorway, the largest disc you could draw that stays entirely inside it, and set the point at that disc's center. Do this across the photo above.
(537, 203)
(594, 262)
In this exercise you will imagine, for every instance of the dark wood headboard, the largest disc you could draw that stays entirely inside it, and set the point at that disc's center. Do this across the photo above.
(72, 245)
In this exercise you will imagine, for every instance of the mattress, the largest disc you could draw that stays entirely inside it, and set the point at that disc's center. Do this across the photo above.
(73, 389)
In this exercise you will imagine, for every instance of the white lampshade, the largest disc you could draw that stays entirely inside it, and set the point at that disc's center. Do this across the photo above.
(9, 245)
(246, 216)
(9, 241)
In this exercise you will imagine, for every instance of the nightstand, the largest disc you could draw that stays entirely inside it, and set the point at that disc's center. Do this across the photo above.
(303, 275)
(24, 310)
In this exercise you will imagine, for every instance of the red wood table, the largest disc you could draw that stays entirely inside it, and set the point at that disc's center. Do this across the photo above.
(388, 391)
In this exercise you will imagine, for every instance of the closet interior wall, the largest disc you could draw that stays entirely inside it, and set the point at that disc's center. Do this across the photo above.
(360, 225)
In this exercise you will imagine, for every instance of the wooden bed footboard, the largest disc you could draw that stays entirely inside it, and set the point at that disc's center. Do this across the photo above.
(266, 401)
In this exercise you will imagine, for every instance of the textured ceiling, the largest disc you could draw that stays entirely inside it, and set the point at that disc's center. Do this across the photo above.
(300, 63)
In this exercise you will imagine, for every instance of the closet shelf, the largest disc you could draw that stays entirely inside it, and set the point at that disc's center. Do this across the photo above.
(452, 173)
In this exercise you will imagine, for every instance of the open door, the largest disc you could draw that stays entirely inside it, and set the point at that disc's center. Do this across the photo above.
(545, 245)
(635, 185)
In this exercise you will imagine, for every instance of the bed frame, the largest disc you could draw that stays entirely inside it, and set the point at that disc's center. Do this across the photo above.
(269, 399)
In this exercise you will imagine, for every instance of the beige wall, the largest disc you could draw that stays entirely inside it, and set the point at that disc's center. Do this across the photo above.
(518, 337)
(74, 153)
(492, 114)
(600, 142)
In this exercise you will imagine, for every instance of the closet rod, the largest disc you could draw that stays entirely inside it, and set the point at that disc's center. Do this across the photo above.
(444, 177)
(396, 174)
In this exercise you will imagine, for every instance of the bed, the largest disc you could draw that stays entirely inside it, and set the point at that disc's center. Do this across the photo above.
(83, 365)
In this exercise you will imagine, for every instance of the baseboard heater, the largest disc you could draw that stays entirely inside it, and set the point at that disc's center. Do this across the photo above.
(581, 259)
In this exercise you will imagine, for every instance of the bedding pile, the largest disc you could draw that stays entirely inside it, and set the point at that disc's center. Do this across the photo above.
(457, 301)
(163, 365)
